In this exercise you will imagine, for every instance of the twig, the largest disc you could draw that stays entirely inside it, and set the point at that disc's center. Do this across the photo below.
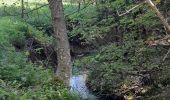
(36, 8)
(28, 11)
(166, 55)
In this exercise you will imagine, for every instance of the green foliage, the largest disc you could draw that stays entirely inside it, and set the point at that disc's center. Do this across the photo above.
(109, 68)
(17, 32)
(20, 78)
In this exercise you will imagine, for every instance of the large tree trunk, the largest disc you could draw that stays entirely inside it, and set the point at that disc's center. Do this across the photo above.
(165, 23)
(64, 68)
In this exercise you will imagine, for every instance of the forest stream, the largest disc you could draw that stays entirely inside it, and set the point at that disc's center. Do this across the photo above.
(78, 85)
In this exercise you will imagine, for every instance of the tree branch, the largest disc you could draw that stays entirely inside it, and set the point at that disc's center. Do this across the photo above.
(36, 8)
(161, 17)
(166, 55)
(128, 11)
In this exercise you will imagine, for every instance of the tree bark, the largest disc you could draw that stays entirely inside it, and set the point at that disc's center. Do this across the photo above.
(22, 8)
(64, 68)
(79, 6)
(165, 23)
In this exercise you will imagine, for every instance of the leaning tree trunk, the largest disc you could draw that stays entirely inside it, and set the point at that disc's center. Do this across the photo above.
(60, 34)
(165, 23)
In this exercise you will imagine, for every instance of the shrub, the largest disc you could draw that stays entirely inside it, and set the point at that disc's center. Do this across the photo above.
(20, 78)
(17, 32)
(110, 67)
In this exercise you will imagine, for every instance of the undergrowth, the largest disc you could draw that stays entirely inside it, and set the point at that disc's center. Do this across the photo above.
(20, 79)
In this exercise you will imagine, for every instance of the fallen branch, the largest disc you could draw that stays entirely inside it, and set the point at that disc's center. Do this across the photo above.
(128, 11)
(161, 42)
(161, 17)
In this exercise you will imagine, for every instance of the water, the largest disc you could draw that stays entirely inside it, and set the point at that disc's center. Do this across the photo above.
(78, 84)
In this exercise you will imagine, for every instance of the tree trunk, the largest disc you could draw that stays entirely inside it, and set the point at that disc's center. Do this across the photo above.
(64, 68)
(165, 23)
(22, 8)
(79, 6)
